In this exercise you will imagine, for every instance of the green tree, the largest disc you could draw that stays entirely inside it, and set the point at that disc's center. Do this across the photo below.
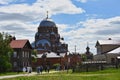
(84, 57)
(5, 52)
(34, 55)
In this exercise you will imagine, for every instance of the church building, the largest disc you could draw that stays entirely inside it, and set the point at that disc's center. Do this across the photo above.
(48, 41)
(47, 38)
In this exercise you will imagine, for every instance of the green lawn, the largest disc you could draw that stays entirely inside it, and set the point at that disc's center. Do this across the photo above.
(9, 73)
(110, 74)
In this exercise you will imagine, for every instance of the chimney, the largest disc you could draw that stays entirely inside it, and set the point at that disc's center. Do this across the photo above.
(109, 39)
(14, 38)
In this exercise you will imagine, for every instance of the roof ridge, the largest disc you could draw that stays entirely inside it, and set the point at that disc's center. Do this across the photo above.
(20, 39)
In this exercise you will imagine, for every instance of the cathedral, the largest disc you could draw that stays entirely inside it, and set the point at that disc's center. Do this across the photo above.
(50, 46)
(47, 38)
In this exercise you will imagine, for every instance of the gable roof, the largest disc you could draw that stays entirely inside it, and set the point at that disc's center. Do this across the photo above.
(108, 42)
(49, 55)
(115, 51)
(18, 43)
(62, 54)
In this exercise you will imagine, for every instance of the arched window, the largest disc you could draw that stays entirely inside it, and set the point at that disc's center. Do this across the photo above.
(47, 46)
(40, 46)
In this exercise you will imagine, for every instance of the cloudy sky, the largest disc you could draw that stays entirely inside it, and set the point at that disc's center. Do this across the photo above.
(78, 21)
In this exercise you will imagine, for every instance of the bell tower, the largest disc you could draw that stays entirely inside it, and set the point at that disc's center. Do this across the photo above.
(87, 49)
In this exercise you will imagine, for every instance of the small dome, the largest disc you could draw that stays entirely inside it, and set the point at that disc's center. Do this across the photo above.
(47, 23)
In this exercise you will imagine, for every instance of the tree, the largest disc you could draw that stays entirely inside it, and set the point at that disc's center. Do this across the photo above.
(34, 55)
(44, 56)
(84, 57)
(5, 52)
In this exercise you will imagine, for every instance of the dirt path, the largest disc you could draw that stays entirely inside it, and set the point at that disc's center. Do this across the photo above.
(34, 73)
(26, 74)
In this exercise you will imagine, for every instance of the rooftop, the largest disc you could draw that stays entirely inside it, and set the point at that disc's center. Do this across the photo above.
(18, 43)
(115, 51)
(51, 55)
(108, 42)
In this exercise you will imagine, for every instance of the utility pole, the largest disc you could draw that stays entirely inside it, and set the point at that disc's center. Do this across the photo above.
(75, 49)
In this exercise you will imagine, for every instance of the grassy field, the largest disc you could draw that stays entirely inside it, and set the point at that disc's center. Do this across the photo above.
(9, 73)
(110, 74)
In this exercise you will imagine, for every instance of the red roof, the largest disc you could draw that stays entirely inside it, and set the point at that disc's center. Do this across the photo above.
(18, 43)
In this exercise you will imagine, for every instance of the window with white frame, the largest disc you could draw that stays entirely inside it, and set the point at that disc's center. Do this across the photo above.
(15, 54)
(98, 49)
(15, 64)
(28, 54)
(23, 54)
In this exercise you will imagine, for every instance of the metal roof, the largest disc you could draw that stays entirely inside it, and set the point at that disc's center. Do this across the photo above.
(49, 55)
(62, 54)
(115, 51)
(111, 42)
(47, 23)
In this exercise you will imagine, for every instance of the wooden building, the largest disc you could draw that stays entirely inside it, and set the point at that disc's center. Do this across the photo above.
(22, 54)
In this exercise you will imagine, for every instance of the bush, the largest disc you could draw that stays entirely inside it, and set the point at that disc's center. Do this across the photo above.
(55, 66)
(6, 66)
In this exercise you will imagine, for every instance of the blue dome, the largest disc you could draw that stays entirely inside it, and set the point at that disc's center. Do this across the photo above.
(43, 42)
(47, 23)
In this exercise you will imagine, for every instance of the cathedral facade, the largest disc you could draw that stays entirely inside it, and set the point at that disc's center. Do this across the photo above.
(47, 38)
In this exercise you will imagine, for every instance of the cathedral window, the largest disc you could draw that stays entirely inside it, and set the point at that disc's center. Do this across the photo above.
(47, 46)
(40, 46)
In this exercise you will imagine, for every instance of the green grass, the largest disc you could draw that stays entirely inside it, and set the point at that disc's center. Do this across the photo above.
(9, 73)
(109, 74)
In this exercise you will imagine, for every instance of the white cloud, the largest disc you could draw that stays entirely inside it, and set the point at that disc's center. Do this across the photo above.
(90, 31)
(21, 30)
(82, 1)
(25, 18)
(59, 6)
(41, 6)
(6, 1)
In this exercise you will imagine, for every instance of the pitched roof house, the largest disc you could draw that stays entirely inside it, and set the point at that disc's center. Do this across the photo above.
(50, 58)
(104, 46)
(108, 50)
(22, 54)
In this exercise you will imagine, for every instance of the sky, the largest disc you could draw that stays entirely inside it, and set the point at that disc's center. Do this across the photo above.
(78, 21)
